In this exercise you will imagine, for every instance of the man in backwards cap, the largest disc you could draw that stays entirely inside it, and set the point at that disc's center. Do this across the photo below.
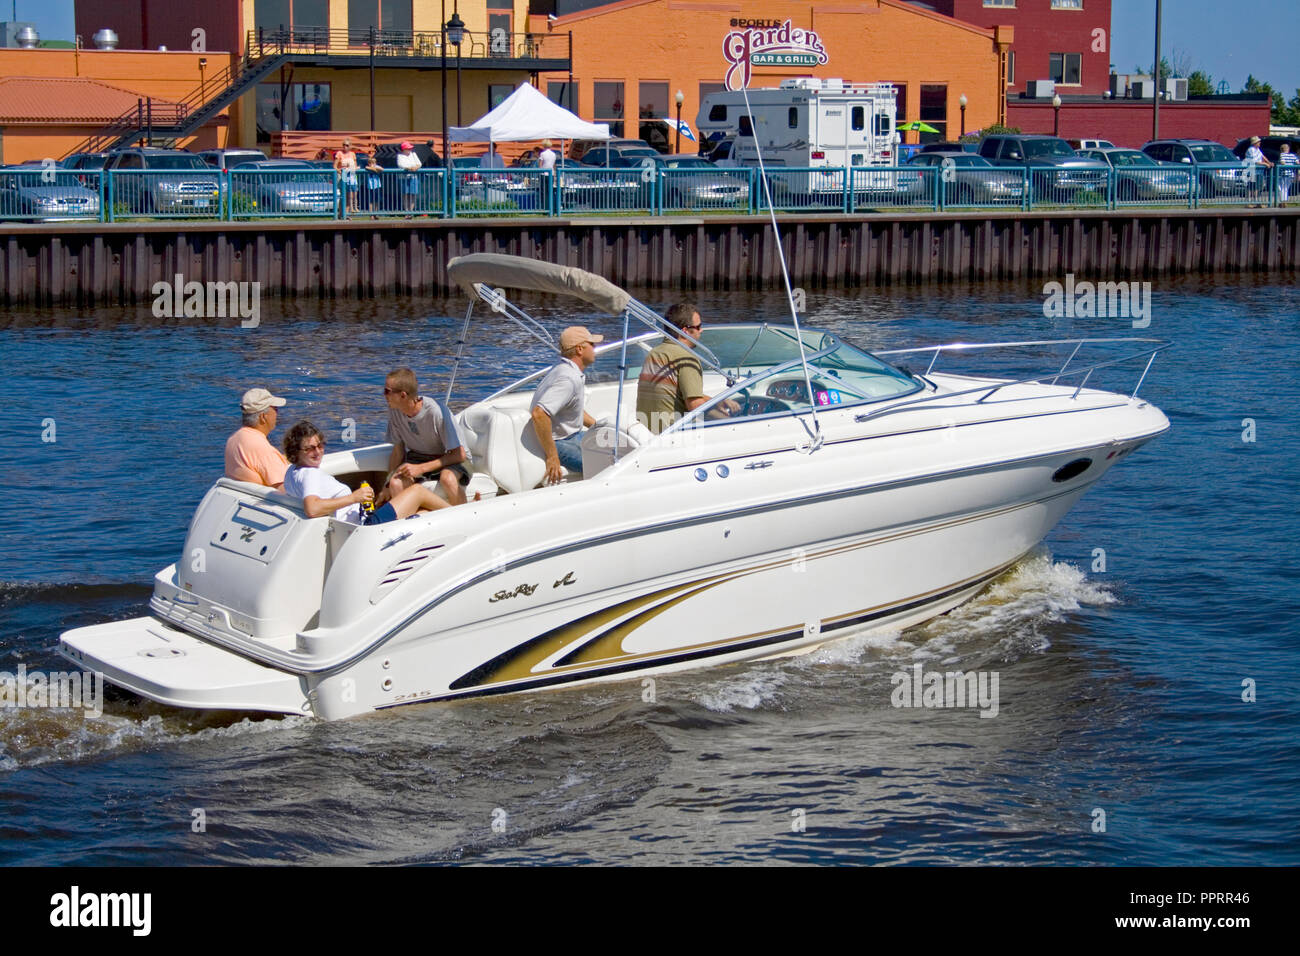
(557, 409)
(249, 456)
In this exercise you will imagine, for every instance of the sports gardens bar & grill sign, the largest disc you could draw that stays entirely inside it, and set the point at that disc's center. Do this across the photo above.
(768, 43)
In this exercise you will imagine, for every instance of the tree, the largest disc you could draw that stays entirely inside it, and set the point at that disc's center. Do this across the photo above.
(1281, 112)
(1200, 83)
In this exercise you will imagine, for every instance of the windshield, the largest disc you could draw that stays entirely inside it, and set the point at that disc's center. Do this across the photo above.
(1132, 158)
(1212, 153)
(1035, 148)
(177, 162)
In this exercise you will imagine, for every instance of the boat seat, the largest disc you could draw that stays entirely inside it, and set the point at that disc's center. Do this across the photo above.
(599, 442)
(502, 442)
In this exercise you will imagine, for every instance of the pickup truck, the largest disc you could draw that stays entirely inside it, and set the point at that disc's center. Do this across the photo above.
(1056, 172)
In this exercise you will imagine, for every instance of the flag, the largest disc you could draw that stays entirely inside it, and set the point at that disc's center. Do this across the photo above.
(682, 127)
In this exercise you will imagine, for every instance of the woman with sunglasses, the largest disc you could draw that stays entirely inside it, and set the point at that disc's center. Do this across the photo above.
(323, 494)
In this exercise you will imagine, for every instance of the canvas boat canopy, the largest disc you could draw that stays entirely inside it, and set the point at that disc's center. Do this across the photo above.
(514, 272)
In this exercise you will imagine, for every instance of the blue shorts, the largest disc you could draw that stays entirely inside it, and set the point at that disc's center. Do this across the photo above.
(382, 515)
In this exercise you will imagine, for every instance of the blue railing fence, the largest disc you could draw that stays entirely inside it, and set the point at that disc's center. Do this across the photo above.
(35, 193)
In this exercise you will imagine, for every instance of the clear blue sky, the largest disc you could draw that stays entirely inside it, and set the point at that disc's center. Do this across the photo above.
(1227, 38)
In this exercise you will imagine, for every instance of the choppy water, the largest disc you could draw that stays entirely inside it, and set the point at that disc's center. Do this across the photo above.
(1120, 690)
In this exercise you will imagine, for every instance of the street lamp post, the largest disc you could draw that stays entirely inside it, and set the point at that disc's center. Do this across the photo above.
(961, 101)
(455, 34)
(1056, 111)
(680, 98)
(203, 88)
(442, 46)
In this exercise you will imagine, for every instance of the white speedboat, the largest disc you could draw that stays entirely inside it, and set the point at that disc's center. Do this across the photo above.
(845, 495)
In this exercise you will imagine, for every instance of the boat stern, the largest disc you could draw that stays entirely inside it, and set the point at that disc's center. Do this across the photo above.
(150, 658)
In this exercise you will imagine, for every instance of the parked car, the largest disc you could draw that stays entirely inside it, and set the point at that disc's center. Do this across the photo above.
(723, 153)
(1137, 175)
(581, 146)
(149, 180)
(608, 155)
(1056, 171)
(1081, 144)
(950, 146)
(1270, 146)
(690, 181)
(84, 161)
(386, 155)
(43, 193)
(1218, 172)
(226, 159)
(973, 181)
(283, 186)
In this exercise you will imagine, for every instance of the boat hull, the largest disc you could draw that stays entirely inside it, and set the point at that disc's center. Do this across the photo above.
(774, 575)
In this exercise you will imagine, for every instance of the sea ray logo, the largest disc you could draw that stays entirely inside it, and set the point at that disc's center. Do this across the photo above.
(75, 909)
(246, 533)
(945, 690)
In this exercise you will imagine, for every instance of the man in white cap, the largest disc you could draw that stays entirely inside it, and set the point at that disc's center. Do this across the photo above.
(249, 456)
(558, 413)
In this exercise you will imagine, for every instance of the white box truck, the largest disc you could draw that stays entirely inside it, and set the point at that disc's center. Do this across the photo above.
(807, 123)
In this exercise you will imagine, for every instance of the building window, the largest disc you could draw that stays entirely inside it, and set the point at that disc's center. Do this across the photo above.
(306, 107)
(499, 34)
(1064, 67)
(564, 94)
(900, 102)
(1067, 4)
(303, 17)
(607, 106)
(654, 107)
(1001, 3)
(1011, 67)
(498, 93)
(390, 15)
(934, 111)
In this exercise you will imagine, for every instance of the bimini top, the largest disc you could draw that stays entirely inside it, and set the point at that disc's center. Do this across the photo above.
(516, 272)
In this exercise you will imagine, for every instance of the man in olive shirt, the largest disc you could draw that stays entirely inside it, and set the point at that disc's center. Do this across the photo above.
(672, 381)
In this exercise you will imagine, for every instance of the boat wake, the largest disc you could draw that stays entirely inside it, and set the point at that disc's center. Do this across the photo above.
(33, 736)
(1009, 619)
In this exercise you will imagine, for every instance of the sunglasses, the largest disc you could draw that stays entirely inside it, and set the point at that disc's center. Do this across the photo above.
(393, 391)
(307, 449)
(692, 328)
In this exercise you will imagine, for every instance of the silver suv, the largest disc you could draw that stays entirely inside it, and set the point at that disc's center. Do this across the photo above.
(170, 181)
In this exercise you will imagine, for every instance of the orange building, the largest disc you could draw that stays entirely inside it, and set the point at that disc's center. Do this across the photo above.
(52, 101)
(630, 58)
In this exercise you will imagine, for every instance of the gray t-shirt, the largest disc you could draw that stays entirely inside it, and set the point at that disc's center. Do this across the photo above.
(560, 394)
(430, 432)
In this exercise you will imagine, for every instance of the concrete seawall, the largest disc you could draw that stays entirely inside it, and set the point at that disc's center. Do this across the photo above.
(106, 264)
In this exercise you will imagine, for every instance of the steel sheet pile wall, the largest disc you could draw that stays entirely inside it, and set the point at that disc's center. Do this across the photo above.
(107, 264)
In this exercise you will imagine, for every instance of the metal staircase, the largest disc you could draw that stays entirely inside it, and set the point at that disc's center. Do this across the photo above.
(169, 123)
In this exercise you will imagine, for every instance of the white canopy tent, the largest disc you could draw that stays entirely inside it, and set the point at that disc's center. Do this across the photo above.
(527, 115)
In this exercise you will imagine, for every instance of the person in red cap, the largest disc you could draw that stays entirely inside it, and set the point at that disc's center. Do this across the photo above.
(249, 456)
(410, 163)
(557, 409)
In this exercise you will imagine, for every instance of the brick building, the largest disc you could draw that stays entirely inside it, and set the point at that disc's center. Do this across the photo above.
(631, 57)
